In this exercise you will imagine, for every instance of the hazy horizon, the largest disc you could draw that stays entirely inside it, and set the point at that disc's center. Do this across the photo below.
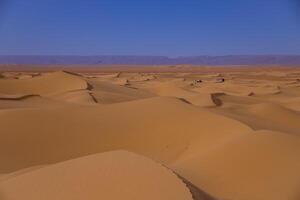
(155, 60)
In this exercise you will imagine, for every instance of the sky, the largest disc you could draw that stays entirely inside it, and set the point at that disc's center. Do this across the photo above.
(149, 27)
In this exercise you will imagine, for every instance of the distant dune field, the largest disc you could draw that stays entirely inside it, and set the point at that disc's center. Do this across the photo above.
(149, 132)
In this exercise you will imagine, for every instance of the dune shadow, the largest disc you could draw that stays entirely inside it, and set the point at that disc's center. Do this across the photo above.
(197, 193)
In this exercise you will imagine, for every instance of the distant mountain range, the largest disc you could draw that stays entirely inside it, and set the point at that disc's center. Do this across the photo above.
(154, 60)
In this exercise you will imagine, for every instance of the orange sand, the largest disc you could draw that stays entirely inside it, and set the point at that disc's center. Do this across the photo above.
(150, 134)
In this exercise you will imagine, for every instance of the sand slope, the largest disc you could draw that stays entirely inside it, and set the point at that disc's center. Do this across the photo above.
(262, 165)
(162, 128)
(112, 175)
(266, 116)
(106, 92)
(46, 84)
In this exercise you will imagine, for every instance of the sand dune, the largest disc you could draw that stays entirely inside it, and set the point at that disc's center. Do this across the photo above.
(174, 88)
(106, 92)
(113, 175)
(43, 85)
(161, 128)
(204, 100)
(266, 116)
(78, 97)
(263, 165)
(67, 135)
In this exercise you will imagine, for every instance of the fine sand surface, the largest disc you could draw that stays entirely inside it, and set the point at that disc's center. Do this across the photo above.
(215, 134)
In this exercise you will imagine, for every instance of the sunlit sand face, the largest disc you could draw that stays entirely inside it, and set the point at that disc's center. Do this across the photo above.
(179, 132)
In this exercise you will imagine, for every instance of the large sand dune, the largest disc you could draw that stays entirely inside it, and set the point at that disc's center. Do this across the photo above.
(224, 134)
(112, 175)
(46, 84)
(262, 165)
(162, 128)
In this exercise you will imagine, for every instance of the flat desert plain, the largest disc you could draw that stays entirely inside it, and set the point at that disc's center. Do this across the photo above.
(161, 133)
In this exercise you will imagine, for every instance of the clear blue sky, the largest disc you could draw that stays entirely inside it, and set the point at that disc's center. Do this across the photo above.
(149, 27)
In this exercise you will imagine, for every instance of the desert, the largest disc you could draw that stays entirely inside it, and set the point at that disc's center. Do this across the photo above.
(150, 132)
